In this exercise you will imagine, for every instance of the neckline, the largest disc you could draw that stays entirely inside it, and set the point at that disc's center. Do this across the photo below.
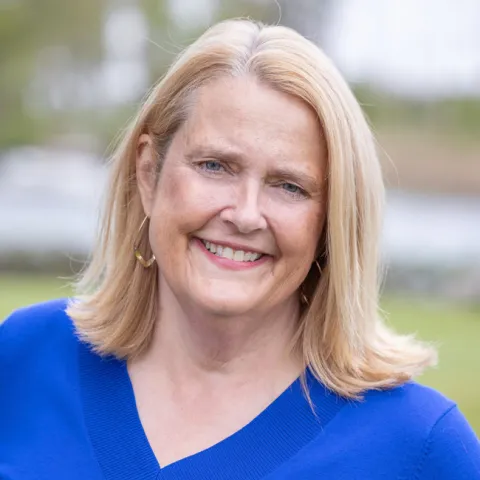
(123, 451)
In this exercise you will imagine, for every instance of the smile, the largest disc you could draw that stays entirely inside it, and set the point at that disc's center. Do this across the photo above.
(223, 251)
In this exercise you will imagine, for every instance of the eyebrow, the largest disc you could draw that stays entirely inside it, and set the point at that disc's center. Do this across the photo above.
(304, 179)
(215, 152)
(233, 155)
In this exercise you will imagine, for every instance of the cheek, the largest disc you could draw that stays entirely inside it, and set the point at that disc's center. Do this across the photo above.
(297, 231)
(183, 203)
(297, 237)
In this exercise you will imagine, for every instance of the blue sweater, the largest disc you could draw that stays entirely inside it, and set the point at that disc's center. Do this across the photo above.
(68, 414)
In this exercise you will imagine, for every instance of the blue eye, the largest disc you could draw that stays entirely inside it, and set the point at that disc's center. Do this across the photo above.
(212, 166)
(292, 188)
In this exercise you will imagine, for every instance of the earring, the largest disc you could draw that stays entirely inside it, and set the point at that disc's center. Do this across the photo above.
(136, 251)
(303, 297)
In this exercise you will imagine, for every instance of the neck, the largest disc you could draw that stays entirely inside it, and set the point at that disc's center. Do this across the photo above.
(192, 345)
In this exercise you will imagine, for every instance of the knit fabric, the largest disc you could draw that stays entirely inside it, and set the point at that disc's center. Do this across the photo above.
(68, 414)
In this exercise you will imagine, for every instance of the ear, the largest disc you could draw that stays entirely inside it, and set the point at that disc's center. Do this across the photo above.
(146, 172)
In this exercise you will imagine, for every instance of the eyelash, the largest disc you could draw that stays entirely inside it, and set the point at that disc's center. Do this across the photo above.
(203, 166)
(299, 193)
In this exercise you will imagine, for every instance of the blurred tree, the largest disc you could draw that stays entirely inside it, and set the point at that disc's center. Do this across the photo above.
(28, 29)
(51, 55)
(173, 24)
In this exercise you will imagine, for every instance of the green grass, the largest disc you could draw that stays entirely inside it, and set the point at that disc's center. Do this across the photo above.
(20, 290)
(454, 328)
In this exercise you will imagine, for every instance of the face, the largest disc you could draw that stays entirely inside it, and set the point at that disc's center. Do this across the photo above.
(239, 206)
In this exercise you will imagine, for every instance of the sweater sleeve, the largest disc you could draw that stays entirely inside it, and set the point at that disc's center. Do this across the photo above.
(452, 450)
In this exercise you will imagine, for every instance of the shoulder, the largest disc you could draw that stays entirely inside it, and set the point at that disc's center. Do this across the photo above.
(32, 329)
(411, 409)
(420, 424)
(411, 432)
(412, 404)
(38, 355)
(36, 320)
(451, 449)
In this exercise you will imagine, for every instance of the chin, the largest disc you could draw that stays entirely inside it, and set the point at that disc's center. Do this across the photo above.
(225, 305)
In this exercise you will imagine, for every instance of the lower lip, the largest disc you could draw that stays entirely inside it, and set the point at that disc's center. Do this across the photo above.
(226, 262)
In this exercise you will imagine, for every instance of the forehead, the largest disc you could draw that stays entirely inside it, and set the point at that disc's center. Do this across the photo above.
(255, 121)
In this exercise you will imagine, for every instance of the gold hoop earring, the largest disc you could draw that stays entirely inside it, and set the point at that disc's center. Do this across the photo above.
(303, 297)
(136, 251)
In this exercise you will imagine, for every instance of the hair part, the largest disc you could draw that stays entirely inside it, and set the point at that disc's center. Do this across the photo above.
(342, 337)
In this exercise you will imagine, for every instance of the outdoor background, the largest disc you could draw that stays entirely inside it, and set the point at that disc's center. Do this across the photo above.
(72, 73)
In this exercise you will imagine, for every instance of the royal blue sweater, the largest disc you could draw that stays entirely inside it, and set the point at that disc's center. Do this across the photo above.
(68, 414)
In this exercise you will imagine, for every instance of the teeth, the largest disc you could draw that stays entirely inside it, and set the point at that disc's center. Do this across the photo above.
(227, 252)
(238, 255)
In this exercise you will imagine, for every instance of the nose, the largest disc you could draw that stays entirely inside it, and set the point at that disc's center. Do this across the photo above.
(244, 211)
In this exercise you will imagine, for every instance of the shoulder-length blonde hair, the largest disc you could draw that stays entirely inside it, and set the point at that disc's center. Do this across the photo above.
(341, 334)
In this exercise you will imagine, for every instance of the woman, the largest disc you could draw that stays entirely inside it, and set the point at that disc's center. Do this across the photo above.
(228, 325)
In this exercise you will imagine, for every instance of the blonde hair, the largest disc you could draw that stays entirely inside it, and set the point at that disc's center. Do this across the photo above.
(341, 334)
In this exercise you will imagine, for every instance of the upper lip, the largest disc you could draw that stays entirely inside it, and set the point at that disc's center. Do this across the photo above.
(234, 246)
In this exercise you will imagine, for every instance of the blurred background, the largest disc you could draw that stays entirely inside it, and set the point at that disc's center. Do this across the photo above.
(73, 73)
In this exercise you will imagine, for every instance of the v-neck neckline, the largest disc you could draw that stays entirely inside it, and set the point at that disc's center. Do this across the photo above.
(123, 451)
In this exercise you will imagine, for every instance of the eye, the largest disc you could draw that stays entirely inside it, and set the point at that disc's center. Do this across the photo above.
(293, 189)
(212, 166)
